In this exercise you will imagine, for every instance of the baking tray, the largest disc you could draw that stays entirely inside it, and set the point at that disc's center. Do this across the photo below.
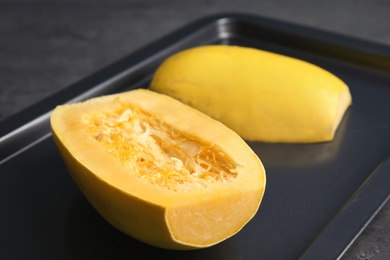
(319, 197)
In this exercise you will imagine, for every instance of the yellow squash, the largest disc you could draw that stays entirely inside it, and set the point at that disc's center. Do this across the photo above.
(158, 170)
(261, 95)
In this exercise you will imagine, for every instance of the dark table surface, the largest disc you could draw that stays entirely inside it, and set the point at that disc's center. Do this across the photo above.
(47, 45)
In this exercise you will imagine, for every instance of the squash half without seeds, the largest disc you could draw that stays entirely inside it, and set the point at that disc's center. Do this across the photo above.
(261, 95)
(158, 170)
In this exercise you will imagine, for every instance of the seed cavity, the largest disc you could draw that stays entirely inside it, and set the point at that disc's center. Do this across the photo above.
(157, 152)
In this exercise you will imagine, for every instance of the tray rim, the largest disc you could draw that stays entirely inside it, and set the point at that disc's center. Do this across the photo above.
(38, 114)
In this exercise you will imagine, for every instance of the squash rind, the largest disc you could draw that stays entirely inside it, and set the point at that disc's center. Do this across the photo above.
(262, 96)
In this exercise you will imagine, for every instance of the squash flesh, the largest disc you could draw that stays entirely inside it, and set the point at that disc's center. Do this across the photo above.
(226, 213)
(157, 152)
(153, 206)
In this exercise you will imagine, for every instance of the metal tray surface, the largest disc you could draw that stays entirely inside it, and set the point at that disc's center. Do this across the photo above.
(319, 197)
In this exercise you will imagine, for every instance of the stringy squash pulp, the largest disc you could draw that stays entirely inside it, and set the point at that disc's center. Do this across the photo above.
(158, 170)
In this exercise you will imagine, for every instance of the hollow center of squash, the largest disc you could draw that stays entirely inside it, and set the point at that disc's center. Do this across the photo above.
(158, 152)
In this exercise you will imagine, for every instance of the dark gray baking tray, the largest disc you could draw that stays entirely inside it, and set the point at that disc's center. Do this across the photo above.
(319, 197)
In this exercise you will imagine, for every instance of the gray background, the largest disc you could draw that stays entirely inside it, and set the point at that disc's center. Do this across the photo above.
(47, 45)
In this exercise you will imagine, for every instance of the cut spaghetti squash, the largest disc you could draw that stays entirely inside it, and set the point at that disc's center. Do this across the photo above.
(158, 170)
(263, 96)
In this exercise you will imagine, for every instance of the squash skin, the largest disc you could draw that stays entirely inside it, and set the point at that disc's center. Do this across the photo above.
(262, 96)
(127, 204)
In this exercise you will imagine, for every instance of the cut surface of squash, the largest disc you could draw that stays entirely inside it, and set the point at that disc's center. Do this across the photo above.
(158, 170)
(263, 96)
